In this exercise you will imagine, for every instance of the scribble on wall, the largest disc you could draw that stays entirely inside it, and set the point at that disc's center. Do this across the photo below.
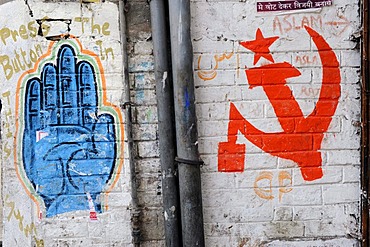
(69, 146)
(210, 75)
(266, 192)
(301, 138)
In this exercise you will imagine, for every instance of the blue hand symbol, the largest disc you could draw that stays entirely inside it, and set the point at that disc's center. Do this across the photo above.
(68, 149)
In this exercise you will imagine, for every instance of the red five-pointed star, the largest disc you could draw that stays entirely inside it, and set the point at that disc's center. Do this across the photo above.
(260, 46)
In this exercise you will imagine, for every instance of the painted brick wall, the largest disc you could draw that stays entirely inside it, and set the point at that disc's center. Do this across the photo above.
(274, 97)
(29, 220)
(62, 127)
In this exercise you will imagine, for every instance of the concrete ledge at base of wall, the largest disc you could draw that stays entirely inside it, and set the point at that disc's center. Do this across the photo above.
(319, 243)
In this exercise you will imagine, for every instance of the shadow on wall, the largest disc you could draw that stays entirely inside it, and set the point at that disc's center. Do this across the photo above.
(5, 1)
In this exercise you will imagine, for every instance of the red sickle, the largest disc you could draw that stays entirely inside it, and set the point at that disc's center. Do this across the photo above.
(302, 136)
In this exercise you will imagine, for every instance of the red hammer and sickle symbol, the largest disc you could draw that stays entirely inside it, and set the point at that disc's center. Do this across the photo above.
(301, 138)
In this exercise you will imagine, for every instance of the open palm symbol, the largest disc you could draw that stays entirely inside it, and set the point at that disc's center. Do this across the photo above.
(69, 150)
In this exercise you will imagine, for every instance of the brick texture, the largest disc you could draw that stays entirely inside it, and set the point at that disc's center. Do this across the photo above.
(280, 149)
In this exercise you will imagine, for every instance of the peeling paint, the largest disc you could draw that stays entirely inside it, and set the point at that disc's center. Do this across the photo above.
(164, 78)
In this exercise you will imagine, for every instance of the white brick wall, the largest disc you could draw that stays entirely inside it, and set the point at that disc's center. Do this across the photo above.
(254, 207)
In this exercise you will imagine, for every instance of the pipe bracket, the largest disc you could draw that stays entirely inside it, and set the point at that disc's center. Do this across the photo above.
(189, 162)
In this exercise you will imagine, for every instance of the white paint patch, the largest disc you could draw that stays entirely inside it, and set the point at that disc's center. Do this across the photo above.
(93, 215)
(164, 78)
(40, 135)
(72, 167)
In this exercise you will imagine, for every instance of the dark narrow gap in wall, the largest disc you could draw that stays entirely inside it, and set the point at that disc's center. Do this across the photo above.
(365, 171)
(1, 174)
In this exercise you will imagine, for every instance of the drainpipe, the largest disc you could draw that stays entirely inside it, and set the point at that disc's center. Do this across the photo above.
(186, 124)
(127, 106)
(166, 129)
(365, 172)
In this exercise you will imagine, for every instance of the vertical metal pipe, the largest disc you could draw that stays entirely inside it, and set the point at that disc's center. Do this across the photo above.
(186, 124)
(166, 129)
(365, 171)
(135, 210)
